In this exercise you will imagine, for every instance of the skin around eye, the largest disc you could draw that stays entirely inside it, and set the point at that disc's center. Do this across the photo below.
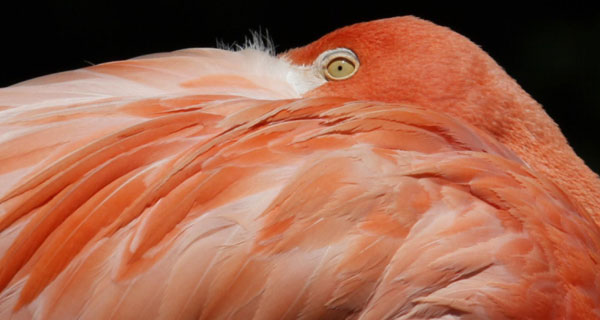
(338, 64)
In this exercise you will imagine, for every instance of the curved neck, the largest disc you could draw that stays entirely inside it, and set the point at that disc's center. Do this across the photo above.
(550, 154)
(519, 122)
(530, 132)
(511, 115)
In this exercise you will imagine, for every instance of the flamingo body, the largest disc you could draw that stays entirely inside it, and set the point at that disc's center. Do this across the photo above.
(197, 185)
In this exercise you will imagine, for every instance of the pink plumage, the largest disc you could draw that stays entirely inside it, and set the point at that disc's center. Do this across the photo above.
(214, 184)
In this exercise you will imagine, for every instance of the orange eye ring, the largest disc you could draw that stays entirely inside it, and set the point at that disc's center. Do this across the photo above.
(338, 64)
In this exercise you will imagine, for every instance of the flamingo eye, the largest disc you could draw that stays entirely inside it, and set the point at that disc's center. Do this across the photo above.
(338, 64)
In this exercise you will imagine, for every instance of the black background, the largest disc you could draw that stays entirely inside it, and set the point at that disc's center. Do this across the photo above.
(553, 52)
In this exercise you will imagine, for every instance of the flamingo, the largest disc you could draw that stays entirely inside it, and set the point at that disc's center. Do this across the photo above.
(389, 170)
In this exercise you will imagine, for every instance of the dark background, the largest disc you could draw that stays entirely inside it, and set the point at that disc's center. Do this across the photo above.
(553, 52)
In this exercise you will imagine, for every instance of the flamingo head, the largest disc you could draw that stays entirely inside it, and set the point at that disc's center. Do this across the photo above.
(412, 61)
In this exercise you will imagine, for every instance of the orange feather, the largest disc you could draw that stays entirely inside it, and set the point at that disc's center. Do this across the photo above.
(215, 184)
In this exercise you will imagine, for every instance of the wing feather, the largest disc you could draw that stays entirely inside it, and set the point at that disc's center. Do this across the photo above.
(197, 203)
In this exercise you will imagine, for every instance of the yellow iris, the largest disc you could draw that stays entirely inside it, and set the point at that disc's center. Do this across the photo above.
(338, 64)
(340, 68)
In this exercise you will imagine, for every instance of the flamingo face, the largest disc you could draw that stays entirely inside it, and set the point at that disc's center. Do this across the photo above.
(414, 62)
(389, 170)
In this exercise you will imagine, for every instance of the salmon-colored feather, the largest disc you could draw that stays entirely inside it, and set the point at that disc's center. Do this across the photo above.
(200, 184)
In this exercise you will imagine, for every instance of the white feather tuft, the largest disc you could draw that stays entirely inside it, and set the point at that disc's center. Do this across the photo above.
(301, 78)
(258, 40)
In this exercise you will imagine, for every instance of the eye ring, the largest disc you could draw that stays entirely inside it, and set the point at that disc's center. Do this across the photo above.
(338, 64)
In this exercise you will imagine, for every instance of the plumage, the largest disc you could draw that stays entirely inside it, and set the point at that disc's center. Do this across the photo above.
(215, 184)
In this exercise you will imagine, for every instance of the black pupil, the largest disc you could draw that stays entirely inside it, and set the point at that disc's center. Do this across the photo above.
(340, 67)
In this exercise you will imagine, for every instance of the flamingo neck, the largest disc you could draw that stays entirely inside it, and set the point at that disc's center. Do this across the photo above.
(502, 108)
(540, 143)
